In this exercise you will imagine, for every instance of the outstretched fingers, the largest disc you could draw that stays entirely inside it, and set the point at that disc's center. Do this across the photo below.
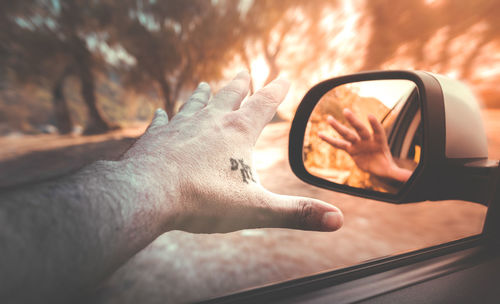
(362, 130)
(335, 142)
(261, 106)
(344, 131)
(197, 101)
(378, 130)
(160, 119)
(230, 96)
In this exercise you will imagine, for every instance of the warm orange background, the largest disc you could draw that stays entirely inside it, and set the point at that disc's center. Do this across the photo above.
(305, 41)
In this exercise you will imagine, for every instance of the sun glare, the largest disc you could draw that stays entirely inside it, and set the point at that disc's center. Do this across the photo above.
(386, 91)
(260, 70)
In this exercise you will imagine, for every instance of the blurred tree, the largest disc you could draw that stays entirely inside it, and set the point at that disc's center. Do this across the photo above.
(33, 54)
(414, 23)
(266, 25)
(485, 13)
(76, 21)
(174, 43)
(410, 22)
(45, 41)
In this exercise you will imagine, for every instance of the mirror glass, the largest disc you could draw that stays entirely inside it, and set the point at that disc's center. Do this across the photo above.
(366, 135)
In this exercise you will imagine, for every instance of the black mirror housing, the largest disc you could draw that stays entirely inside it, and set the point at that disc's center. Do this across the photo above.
(454, 162)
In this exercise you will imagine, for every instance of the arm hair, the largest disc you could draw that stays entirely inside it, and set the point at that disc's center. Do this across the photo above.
(59, 239)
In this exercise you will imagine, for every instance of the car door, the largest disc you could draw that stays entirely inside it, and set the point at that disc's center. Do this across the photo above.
(460, 271)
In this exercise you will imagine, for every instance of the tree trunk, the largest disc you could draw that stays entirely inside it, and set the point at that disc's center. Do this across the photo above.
(470, 60)
(168, 102)
(272, 57)
(274, 72)
(248, 65)
(63, 117)
(97, 124)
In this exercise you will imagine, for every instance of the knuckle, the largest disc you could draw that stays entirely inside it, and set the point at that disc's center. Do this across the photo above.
(267, 97)
(366, 134)
(233, 90)
(235, 121)
(155, 126)
(199, 96)
(353, 138)
(305, 211)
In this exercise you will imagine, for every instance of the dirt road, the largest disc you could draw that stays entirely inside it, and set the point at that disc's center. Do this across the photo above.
(185, 267)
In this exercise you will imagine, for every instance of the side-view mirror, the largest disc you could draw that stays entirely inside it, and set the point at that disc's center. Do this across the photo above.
(395, 136)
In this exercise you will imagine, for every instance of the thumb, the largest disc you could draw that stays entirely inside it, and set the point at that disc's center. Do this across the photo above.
(303, 213)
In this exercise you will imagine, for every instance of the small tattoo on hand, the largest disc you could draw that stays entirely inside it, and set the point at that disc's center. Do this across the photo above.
(234, 164)
(245, 170)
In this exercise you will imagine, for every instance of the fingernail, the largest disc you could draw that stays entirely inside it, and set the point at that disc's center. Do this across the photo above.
(158, 112)
(322, 135)
(241, 73)
(332, 221)
(347, 111)
(202, 85)
(283, 80)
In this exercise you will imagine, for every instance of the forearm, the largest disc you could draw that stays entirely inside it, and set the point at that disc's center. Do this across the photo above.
(62, 237)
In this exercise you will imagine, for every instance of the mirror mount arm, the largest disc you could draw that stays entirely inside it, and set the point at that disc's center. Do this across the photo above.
(491, 229)
(467, 180)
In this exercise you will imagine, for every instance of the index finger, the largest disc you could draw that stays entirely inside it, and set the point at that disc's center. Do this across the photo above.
(344, 131)
(261, 106)
(197, 101)
(362, 130)
(378, 130)
(231, 95)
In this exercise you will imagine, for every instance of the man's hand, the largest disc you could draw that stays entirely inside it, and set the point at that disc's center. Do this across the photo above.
(61, 238)
(201, 165)
(370, 151)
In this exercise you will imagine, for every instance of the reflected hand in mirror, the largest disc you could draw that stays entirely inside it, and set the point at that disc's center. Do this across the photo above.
(369, 150)
(365, 135)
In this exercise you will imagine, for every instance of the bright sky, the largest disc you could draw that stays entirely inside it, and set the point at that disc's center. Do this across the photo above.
(387, 91)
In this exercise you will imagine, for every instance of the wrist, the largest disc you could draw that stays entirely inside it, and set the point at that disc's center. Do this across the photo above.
(148, 189)
(399, 174)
